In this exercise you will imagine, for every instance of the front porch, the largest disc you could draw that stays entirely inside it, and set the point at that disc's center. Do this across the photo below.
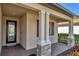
(58, 49)
(18, 50)
(36, 31)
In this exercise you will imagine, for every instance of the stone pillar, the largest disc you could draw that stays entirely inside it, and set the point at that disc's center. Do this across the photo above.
(71, 38)
(44, 45)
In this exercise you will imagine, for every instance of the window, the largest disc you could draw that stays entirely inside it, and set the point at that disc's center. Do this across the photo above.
(51, 28)
(37, 28)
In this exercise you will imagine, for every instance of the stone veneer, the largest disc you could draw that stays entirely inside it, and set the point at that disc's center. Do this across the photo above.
(44, 50)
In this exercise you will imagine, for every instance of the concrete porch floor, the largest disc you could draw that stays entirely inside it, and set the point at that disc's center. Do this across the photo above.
(17, 50)
(58, 48)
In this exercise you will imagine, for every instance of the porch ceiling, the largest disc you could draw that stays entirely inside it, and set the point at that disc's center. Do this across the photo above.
(13, 10)
(58, 19)
(75, 21)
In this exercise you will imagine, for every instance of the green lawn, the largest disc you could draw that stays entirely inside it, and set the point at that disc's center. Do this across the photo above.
(63, 38)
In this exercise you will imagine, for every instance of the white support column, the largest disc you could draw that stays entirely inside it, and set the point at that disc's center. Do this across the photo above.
(41, 27)
(71, 38)
(48, 42)
(47, 27)
(44, 44)
(41, 41)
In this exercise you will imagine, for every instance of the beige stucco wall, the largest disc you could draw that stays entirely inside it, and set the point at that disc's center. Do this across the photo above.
(4, 29)
(31, 30)
(0, 28)
(28, 30)
(23, 31)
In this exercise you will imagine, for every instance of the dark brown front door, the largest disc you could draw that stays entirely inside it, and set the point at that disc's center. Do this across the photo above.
(10, 31)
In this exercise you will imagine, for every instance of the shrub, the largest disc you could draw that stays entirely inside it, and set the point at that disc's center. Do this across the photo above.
(62, 38)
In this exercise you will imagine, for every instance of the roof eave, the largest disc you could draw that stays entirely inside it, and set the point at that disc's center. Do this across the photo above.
(60, 6)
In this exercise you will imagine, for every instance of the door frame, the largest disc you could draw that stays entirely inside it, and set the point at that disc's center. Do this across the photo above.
(7, 31)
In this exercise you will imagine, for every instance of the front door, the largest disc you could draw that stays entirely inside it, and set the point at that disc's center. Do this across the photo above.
(10, 31)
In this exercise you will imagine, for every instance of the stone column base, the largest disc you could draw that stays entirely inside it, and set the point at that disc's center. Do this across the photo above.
(44, 50)
(71, 41)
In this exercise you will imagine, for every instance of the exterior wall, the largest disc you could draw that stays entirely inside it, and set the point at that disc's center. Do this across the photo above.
(31, 41)
(23, 31)
(0, 28)
(4, 29)
(54, 38)
(31, 30)
(27, 30)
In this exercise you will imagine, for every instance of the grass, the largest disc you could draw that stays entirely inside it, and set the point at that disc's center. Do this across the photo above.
(63, 38)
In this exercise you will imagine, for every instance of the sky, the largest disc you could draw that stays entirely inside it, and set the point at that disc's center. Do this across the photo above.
(73, 7)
